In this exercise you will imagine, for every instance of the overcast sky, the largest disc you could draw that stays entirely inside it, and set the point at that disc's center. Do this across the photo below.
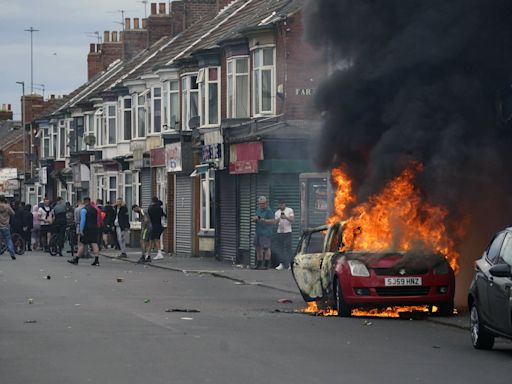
(60, 47)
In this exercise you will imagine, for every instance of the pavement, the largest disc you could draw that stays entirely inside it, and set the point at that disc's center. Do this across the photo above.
(272, 279)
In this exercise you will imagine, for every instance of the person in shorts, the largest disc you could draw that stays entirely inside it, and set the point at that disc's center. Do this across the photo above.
(89, 232)
(264, 219)
(145, 229)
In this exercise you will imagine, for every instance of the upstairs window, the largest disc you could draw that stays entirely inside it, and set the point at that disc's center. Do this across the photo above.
(209, 91)
(126, 116)
(238, 87)
(156, 121)
(189, 101)
(62, 140)
(111, 126)
(99, 127)
(171, 105)
(264, 83)
(79, 133)
(139, 104)
(45, 133)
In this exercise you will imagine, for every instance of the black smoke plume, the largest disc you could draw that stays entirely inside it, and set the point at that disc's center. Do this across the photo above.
(426, 80)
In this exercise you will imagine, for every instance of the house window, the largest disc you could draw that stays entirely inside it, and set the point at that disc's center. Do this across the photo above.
(127, 118)
(110, 127)
(62, 190)
(45, 133)
(79, 133)
(100, 187)
(263, 77)
(140, 129)
(238, 87)
(170, 103)
(111, 189)
(89, 127)
(209, 107)
(99, 125)
(156, 122)
(207, 219)
(54, 141)
(190, 96)
(62, 139)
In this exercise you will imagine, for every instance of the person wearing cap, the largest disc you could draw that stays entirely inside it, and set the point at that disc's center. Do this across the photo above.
(284, 217)
(264, 219)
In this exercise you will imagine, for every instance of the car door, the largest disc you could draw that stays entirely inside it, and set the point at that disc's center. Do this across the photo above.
(499, 293)
(482, 276)
(307, 264)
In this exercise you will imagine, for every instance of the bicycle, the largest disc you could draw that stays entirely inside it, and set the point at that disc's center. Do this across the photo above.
(69, 237)
(18, 243)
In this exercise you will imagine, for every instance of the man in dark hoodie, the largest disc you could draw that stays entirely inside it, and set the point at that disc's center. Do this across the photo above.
(60, 223)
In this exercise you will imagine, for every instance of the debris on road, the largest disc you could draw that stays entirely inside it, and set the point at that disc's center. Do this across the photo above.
(147, 301)
(367, 323)
(30, 321)
(30, 300)
(186, 310)
(48, 277)
(187, 318)
(119, 279)
(284, 301)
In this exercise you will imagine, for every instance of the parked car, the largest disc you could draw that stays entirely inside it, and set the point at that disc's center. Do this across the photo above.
(489, 298)
(344, 280)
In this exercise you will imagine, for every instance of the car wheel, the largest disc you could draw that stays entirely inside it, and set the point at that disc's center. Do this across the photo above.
(480, 337)
(341, 307)
(445, 309)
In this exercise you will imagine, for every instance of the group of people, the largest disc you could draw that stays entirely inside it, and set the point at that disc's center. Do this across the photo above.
(266, 220)
(96, 222)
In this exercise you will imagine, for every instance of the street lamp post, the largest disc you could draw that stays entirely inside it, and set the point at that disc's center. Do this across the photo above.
(22, 83)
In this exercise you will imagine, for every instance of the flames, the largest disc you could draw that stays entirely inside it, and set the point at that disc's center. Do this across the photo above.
(399, 218)
(394, 312)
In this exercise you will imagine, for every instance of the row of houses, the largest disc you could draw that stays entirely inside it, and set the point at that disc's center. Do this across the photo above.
(206, 104)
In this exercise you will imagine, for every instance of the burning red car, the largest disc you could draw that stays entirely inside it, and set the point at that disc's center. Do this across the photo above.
(345, 280)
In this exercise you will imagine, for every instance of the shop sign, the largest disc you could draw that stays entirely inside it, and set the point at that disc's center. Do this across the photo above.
(173, 157)
(8, 173)
(212, 152)
(244, 157)
(157, 157)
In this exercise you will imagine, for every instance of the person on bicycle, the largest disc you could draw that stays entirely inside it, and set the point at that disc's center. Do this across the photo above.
(59, 223)
(6, 212)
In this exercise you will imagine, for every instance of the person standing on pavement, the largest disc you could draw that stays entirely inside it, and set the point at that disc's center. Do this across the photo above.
(59, 222)
(89, 232)
(108, 230)
(264, 220)
(145, 228)
(122, 225)
(28, 223)
(155, 213)
(284, 217)
(46, 219)
(6, 212)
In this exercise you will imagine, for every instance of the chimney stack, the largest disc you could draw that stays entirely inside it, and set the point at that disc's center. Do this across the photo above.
(144, 23)
(106, 36)
(136, 23)
(153, 9)
(127, 23)
(92, 48)
(161, 8)
(114, 37)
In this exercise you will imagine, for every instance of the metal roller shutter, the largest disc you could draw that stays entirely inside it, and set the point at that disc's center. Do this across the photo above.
(145, 190)
(183, 215)
(228, 218)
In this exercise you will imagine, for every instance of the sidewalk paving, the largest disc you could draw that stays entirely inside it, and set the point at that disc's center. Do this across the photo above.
(273, 279)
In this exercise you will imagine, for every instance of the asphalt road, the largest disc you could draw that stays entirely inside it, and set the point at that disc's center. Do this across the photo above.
(83, 326)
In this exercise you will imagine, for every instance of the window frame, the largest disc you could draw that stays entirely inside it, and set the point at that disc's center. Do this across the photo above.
(110, 118)
(154, 109)
(204, 81)
(61, 139)
(186, 93)
(207, 206)
(231, 105)
(257, 88)
(123, 126)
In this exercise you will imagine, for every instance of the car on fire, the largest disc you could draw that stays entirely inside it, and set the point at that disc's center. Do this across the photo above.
(490, 292)
(343, 280)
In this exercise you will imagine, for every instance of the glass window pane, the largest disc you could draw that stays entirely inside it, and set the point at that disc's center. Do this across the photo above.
(268, 56)
(242, 92)
(157, 116)
(212, 74)
(257, 91)
(157, 92)
(257, 58)
(128, 179)
(194, 111)
(266, 86)
(193, 82)
(242, 66)
(173, 85)
(142, 122)
(174, 109)
(111, 110)
(213, 103)
(229, 68)
(111, 131)
(127, 103)
(112, 182)
(230, 94)
(127, 125)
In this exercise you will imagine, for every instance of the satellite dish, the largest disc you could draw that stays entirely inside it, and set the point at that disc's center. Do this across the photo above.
(90, 140)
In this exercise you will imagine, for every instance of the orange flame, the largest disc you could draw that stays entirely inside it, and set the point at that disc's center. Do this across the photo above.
(399, 218)
(393, 312)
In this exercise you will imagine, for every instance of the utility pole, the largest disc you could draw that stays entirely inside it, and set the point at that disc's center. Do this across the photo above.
(145, 2)
(22, 83)
(31, 30)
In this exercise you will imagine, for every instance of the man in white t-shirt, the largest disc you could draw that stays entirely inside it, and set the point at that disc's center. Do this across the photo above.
(284, 218)
(46, 219)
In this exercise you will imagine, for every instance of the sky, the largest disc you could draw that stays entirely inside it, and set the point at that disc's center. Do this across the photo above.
(60, 48)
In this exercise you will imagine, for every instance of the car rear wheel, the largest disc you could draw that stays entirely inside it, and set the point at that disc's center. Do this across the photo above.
(341, 307)
(480, 337)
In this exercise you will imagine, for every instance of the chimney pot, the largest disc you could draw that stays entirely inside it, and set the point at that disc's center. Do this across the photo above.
(8, 107)
(52, 96)
(144, 23)
(114, 36)
(98, 48)
(136, 23)
(127, 23)
(92, 48)
(106, 36)
(153, 8)
(161, 8)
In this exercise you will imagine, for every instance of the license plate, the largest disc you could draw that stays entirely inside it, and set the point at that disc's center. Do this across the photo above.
(402, 281)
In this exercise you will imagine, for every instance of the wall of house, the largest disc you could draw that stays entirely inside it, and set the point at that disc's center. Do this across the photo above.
(12, 155)
(5, 112)
(301, 68)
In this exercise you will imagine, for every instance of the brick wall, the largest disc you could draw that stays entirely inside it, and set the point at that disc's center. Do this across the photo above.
(12, 155)
(5, 112)
(301, 68)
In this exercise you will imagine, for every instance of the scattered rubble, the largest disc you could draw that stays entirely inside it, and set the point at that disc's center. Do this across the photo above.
(186, 310)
